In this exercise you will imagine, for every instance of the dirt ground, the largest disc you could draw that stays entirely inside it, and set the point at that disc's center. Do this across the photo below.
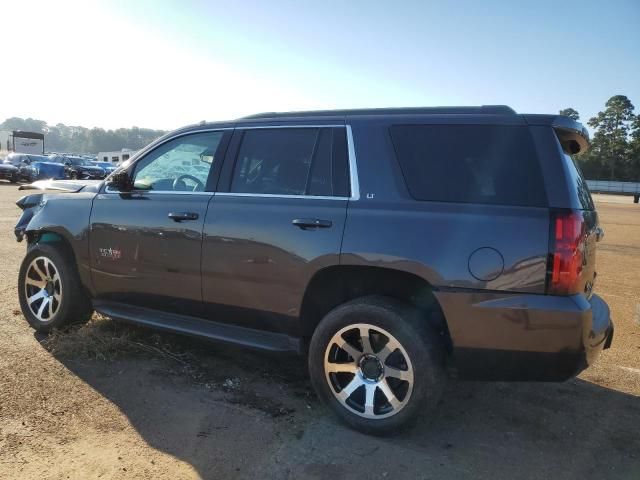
(110, 401)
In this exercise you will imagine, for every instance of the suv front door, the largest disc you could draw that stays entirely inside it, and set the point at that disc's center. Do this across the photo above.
(276, 219)
(146, 244)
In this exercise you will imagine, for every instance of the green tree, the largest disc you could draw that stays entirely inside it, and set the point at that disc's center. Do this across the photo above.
(26, 124)
(634, 150)
(70, 139)
(610, 142)
(571, 113)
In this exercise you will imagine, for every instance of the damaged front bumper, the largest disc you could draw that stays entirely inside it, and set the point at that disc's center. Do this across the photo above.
(30, 205)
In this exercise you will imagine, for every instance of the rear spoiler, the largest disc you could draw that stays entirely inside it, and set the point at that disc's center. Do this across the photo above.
(573, 136)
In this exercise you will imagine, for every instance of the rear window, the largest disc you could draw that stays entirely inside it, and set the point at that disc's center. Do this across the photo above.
(470, 163)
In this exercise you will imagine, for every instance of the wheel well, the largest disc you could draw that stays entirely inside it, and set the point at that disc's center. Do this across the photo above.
(333, 286)
(43, 236)
(60, 242)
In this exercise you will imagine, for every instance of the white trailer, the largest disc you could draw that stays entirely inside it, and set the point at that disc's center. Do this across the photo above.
(116, 157)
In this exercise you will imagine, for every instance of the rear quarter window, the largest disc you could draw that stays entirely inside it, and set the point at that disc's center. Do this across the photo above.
(577, 182)
(490, 164)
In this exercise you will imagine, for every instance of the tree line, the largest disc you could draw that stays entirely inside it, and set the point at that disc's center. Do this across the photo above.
(69, 139)
(614, 152)
(615, 145)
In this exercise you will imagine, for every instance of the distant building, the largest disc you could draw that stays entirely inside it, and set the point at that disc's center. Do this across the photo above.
(116, 157)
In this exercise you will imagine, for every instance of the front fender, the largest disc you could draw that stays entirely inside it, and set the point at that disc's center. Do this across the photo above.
(65, 215)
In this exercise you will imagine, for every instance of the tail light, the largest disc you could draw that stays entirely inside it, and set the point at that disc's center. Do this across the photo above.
(566, 252)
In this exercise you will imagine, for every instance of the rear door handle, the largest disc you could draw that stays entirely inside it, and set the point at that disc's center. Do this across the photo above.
(311, 223)
(180, 216)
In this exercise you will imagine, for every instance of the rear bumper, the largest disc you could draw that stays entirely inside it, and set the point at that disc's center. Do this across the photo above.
(502, 336)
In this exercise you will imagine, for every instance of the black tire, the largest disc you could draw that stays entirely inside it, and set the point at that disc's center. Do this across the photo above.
(422, 345)
(73, 175)
(74, 305)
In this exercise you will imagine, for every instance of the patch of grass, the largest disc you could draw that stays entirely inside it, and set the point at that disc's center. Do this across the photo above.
(104, 339)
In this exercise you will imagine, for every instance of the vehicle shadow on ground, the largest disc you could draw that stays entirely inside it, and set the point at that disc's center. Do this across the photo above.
(233, 413)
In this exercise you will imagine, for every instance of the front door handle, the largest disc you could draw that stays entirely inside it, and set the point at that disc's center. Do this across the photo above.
(311, 223)
(180, 216)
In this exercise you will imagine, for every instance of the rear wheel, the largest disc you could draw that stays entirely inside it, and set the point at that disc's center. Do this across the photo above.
(49, 288)
(376, 364)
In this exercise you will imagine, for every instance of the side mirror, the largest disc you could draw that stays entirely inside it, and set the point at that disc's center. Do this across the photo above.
(120, 181)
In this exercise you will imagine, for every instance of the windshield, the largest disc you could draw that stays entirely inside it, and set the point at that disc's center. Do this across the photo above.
(18, 159)
(14, 159)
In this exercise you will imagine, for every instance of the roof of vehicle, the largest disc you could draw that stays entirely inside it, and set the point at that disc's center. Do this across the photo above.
(328, 115)
(485, 112)
(475, 110)
(31, 156)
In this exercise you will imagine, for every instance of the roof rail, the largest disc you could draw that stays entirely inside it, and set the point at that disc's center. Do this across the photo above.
(482, 109)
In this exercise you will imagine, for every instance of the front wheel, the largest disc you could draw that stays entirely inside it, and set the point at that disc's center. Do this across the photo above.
(49, 289)
(377, 364)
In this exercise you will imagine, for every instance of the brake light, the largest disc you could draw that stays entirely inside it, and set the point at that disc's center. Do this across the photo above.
(566, 256)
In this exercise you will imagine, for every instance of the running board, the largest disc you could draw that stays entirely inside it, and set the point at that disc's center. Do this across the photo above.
(247, 337)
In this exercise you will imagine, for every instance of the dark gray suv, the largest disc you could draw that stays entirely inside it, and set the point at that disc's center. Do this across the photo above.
(392, 247)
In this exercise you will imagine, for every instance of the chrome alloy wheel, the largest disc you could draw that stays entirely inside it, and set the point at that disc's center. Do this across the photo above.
(368, 370)
(43, 289)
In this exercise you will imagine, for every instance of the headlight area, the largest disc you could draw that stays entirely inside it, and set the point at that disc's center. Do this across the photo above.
(30, 205)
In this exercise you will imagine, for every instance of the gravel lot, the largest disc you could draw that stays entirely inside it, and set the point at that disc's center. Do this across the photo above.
(111, 401)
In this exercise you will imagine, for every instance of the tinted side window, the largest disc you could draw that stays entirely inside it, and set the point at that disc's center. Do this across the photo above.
(340, 164)
(470, 163)
(287, 161)
(319, 180)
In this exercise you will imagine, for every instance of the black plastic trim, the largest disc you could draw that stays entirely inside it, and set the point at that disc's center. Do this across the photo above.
(183, 324)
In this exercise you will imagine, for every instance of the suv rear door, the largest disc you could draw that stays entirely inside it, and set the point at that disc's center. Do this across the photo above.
(276, 219)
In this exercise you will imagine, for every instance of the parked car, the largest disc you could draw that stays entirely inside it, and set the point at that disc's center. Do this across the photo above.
(9, 172)
(392, 247)
(108, 167)
(34, 167)
(79, 167)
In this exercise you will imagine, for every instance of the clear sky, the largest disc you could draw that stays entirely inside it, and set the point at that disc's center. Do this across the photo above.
(164, 64)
